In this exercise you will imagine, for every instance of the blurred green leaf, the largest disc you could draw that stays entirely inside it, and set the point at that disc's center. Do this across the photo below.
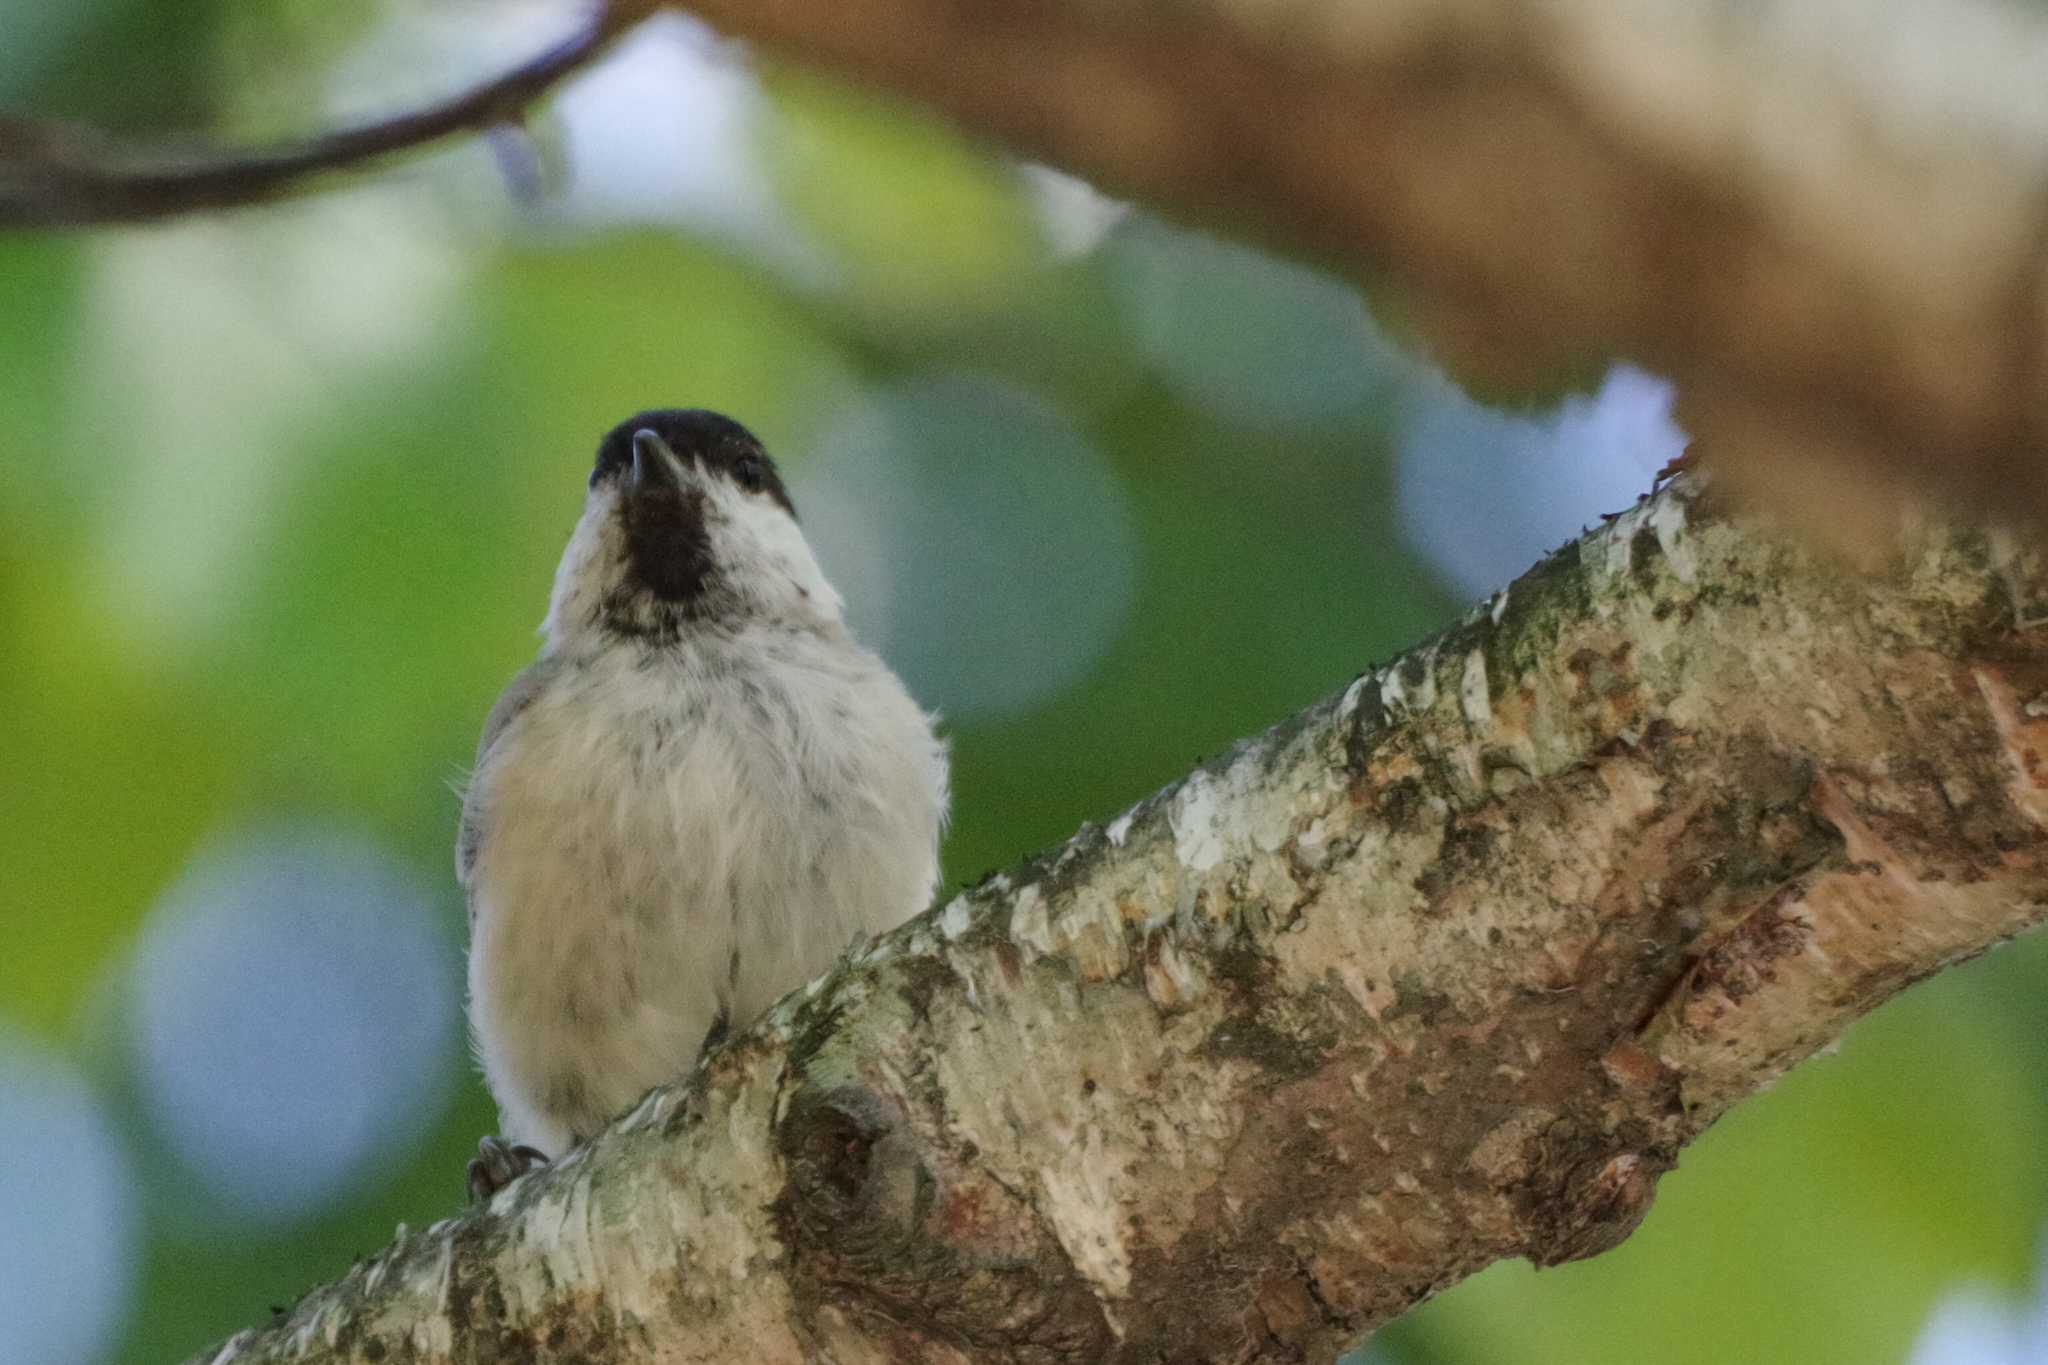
(923, 223)
(126, 65)
(39, 304)
(110, 778)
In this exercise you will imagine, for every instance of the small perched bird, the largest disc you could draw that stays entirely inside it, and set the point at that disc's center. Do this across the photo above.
(690, 803)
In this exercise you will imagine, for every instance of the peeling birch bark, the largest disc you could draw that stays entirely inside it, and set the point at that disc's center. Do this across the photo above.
(1446, 969)
(1829, 230)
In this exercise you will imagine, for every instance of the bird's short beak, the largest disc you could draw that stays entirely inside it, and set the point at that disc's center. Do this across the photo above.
(654, 464)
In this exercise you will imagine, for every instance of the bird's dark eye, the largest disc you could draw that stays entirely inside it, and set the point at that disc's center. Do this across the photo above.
(751, 471)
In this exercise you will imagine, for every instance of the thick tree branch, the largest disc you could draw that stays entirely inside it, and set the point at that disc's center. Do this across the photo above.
(54, 175)
(1446, 969)
(1827, 228)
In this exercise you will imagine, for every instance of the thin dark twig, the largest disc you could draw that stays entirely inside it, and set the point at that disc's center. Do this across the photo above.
(61, 175)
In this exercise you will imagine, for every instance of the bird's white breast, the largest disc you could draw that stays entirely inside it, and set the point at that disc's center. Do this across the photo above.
(668, 833)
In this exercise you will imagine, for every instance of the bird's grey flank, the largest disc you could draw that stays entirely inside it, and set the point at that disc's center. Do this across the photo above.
(690, 803)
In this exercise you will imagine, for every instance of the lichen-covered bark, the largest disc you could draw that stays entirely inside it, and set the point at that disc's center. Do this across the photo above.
(1828, 228)
(1446, 969)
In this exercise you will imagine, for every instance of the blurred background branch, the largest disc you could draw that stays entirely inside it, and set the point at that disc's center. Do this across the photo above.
(66, 175)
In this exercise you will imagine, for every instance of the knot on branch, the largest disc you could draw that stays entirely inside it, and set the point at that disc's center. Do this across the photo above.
(855, 1184)
(927, 1243)
(1578, 1192)
(1596, 1206)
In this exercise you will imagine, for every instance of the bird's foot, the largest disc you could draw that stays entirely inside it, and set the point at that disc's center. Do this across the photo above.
(498, 1163)
(720, 1030)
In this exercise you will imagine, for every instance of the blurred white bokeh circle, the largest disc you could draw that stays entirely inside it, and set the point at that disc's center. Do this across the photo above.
(984, 545)
(1249, 337)
(68, 1214)
(1484, 493)
(293, 1018)
(1975, 1326)
(1074, 216)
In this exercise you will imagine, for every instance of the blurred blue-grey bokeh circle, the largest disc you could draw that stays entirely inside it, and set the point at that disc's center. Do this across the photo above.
(1252, 338)
(1485, 493)
(68, 1220)
(294, 1018)
(985, 613)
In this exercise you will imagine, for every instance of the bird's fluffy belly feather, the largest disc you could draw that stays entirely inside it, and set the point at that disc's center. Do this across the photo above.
(722, 846)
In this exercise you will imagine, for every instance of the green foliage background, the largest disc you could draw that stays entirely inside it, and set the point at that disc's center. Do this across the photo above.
(352, 635)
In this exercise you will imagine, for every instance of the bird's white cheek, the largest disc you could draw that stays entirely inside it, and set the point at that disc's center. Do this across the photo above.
(763, 548)
(586, 565)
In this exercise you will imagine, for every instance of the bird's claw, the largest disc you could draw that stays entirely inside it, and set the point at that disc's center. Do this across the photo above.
(497, 1164)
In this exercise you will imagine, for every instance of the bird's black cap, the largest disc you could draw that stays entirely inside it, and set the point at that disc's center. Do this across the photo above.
(719, 445)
